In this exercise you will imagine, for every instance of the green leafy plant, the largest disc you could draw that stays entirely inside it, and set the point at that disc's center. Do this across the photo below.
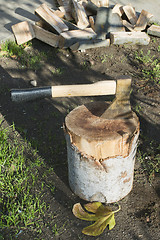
(149, 157)
(105, 58)
(96, 211)
(58, 71)
(144, 58)
(150, 66)
(12, 48)
(30, 59)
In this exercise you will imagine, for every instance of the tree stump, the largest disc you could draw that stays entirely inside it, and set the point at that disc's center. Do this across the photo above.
(101, 153)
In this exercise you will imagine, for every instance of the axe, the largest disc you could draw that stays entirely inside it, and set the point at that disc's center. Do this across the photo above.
(119, 108)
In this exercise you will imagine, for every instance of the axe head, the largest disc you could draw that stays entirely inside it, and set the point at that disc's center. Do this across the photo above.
(120, 107)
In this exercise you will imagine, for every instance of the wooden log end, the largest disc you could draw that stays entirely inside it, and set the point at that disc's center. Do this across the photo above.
(23, 32)
(97, 137)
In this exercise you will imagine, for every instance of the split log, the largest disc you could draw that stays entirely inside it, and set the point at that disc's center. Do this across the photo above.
(154, 30)
(65, 6)
(46, 36)
(96, 2)
(23, 32)
(59, 13)
(83, 45)
(70, 37)
(131, 14)
(104, 3)
(70, 25)
(91, 7)
(26, 31)
(118, 8)
(80, 15)
(106, 22)
(129, 26)
(92, 22)
(143, 20)
(52, 19)
(140, 38)
(101, 153)
(42, 24)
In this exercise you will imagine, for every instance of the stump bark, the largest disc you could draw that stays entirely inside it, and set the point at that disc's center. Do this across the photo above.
(101, 153)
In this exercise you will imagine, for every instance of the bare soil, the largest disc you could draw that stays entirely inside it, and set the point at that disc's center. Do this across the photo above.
(41, 121)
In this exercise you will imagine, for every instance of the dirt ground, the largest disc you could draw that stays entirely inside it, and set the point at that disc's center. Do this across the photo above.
(41, 121)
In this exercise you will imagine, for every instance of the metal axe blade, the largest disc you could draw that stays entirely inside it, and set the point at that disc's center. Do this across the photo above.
(120, 107)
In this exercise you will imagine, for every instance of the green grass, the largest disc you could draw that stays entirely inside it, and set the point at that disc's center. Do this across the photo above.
(148, 154)
(150, 66)
(105, 57)
(57, 71)
(20, 206)
(29, 59)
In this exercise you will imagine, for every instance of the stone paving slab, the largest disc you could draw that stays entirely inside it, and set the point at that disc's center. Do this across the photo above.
(12, 12)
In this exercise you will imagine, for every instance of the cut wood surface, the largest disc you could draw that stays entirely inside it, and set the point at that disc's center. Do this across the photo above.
(143, 20)
(128, 25)
(70, 25)
(41, 23)
(80, 15)
(140, 38)
(65, 5)
(59, 13)
(154, 30)
(52, 19)
(101, 153)
(70, 37)
(96, 2)
(46, 36)
(98, 137)
(92, 22)
(118, 8)
(104, 3)
(131, 14)
(23, 32)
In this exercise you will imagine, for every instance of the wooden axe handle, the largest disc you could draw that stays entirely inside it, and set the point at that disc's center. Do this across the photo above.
(94, 89)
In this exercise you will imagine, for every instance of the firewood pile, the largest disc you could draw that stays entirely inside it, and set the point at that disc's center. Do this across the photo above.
(85, 24)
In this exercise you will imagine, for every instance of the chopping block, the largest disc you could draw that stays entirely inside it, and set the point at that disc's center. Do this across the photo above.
(101, 138)
(101, 147)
